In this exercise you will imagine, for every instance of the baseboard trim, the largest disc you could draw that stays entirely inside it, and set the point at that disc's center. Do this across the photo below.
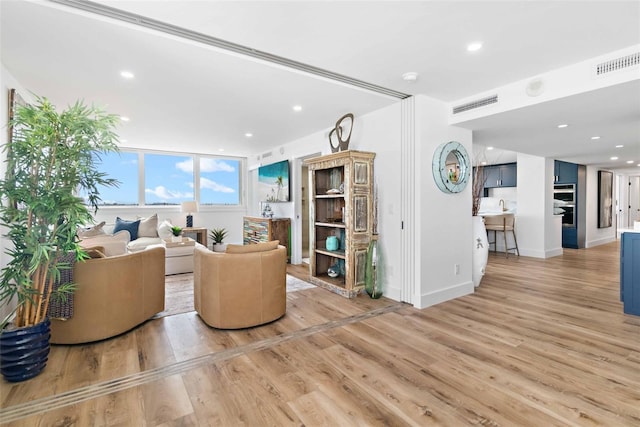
(442, 295)
(598, 242)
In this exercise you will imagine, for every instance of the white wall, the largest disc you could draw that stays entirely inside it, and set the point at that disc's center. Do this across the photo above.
(536, 228)
(445, 219)
(596, 236)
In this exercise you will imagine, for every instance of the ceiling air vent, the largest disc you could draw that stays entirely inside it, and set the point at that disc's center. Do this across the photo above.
(267, 154)
(618, 64)
(475, 104)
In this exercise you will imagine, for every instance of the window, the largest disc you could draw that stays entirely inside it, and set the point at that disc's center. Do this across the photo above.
(219, 181)
(122, 166)
(168, 180)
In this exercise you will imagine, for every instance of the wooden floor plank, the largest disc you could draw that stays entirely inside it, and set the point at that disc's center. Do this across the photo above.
(540, 342)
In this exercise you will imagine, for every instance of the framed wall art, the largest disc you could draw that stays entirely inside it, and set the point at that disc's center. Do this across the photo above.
(605, 199)
(273, 182)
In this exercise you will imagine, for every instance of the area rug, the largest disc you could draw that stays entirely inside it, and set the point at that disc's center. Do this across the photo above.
(178, 290)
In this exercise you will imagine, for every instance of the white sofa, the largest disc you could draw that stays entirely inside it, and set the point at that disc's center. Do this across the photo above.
(178, 259)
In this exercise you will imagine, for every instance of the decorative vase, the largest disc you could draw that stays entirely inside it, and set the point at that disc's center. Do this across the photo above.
(332, 243)
(480, 252)
(371, 284)
(24, 351)
(176, 239)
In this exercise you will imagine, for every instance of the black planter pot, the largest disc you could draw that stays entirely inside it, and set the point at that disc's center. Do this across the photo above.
(24, 352)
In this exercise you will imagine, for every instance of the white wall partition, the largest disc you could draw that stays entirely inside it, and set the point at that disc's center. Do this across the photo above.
(444, 233)
(536, 228)
(409, 250)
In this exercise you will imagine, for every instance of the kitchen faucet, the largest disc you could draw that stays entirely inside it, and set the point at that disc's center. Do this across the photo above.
(502, 203)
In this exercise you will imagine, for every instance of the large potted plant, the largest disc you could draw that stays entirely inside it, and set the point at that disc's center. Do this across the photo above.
(50, 186)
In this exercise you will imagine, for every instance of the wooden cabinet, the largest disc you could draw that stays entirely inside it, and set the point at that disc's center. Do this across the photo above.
(630, 272)
(341, 195)
(259, 229)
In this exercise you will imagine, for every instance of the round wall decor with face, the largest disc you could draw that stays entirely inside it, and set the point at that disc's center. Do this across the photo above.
(451, 167)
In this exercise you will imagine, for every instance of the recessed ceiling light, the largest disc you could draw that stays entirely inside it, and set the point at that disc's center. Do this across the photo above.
(562, 126)
(629, 161)
(221, 149)
(124, 118)
(123, 140)
(489, 148)
(614, 158)
(619, 146)
(297, 108)
(475, 46)
(127, 74)
(595, 137)
(248, 134)
(410, 77)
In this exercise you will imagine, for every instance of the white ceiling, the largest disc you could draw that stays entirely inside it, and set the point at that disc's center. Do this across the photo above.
(191, 97)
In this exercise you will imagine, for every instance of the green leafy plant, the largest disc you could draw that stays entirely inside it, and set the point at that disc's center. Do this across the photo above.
(218, 235)
(51, 160)
(176, 230)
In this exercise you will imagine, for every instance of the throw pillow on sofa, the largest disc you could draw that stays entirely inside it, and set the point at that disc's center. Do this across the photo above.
(164, 230)
(130, 226)
(96, 230)
(148, 226)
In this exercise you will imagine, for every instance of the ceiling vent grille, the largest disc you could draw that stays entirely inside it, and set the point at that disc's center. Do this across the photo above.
(475, 104)
(267, 154)
(618, 64)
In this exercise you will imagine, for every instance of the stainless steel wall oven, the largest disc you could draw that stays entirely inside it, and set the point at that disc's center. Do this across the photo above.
(567, 194)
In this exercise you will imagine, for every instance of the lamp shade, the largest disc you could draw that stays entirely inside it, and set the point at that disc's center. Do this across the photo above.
(189, 206)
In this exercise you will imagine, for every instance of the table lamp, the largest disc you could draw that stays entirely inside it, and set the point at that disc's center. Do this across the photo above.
(189, 207)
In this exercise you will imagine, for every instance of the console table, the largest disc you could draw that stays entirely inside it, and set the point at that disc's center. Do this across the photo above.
(258, 229)
(199, 232)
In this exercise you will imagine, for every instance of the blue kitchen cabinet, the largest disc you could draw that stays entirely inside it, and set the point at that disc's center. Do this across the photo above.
(565, 172)
(504, 175)
(630, 272)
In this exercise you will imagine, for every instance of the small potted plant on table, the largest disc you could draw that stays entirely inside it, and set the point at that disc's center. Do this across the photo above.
(177, 234)
(218, 235)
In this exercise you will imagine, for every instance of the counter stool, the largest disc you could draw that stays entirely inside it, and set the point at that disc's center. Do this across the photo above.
(502, 223)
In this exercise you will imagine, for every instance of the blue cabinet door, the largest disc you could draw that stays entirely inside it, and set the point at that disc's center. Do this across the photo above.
(570, 237)
(509, 175)
(491, 177)
(566, 173)
(630, 272)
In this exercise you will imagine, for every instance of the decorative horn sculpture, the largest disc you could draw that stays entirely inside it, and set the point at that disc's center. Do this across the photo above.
(338, 132)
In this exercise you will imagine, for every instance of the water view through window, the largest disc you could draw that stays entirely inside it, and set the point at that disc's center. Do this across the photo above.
(122, 166)
(170, 179)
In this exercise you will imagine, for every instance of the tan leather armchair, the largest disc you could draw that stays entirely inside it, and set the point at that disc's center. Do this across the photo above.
(113, 295)
(241, 289)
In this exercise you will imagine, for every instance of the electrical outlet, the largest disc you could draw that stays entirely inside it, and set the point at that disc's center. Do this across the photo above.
(456, 269)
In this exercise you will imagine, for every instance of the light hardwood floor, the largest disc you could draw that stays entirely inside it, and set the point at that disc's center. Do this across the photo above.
(540, 343)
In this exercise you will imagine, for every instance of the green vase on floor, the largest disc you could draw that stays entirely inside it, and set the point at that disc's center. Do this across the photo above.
(371, 285)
